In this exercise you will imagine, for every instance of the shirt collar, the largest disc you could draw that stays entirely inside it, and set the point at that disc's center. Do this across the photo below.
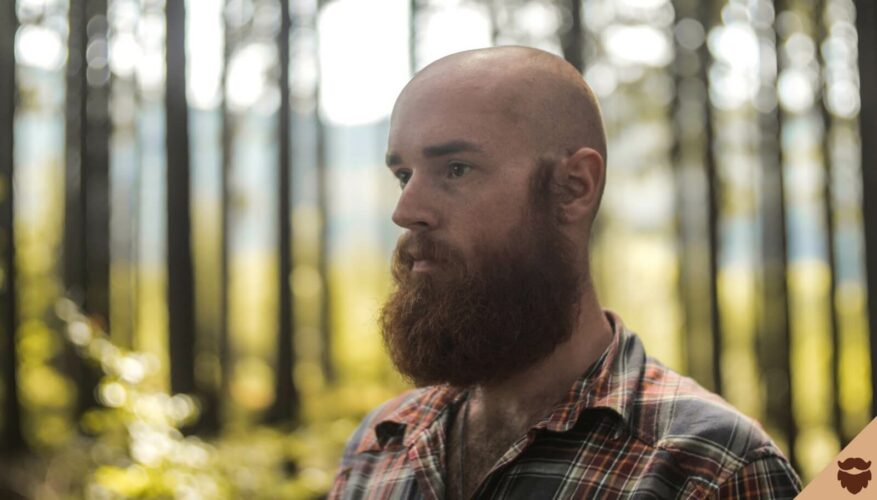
(610, 384)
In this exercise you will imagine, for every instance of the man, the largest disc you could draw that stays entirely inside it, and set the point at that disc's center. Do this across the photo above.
(527, 388)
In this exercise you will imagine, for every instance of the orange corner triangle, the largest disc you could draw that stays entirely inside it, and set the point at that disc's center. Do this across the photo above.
(853, 472)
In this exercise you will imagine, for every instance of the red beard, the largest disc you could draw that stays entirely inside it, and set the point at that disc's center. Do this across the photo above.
(466, 324)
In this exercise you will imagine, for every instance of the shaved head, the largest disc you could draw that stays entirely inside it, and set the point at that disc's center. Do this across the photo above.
(536, 91)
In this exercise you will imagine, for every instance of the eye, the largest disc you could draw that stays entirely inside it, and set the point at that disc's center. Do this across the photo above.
(457, 169)
(403, 176)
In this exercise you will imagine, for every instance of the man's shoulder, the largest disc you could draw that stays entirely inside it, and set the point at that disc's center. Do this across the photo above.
(695, 426)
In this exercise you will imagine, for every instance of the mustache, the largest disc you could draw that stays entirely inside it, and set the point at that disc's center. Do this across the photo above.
(854, 462)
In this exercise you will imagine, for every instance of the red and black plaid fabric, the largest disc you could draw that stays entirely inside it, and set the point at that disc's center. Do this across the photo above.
(629, 428)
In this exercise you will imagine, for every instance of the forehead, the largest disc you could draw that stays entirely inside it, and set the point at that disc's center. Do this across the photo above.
(435, 112)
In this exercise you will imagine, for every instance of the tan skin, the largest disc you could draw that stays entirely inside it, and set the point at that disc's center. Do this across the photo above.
(464, 139)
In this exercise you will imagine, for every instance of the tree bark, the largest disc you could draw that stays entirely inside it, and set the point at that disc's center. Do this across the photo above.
(572, 40)
(706, 16)
(866, 20)
(86, 225)
(180, 286)
(11, 440)
(74, 216)
(323, 258)
(820, 35)
(286, 400)
(694, 159)
(224, 206)
(773, 321)
(96, 168)
(413, 12)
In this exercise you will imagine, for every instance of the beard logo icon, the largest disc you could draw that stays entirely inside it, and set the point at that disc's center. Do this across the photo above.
(854, 474)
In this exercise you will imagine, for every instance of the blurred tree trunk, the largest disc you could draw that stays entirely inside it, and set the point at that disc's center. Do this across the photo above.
(323, 267)
(773, 322)
(413, 12)
(866, 24)
(323, 250)
(286, 400)
(572, 40)
(493, 15)
(695, 164)
(11, 441)
(74, 216)
(96, 167)
(180, 287)
(86, 224)
(214, 414)
(707, 17)
(818, 13)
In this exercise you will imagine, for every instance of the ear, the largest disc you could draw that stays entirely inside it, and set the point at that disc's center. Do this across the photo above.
(580, 180)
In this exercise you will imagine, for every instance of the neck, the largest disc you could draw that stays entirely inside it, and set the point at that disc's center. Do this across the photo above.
(526, 396)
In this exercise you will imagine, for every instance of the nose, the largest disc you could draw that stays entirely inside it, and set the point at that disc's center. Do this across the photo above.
(416, 209)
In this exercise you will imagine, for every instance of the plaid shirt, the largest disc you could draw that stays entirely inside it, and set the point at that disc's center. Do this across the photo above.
(630, 427)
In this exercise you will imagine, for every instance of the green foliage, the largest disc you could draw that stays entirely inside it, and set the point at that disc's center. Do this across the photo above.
(134, 444)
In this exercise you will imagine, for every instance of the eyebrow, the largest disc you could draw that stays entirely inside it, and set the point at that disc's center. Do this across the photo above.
(443, 149)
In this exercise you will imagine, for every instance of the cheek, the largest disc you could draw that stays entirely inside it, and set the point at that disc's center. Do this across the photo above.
(489, 227)
(491, 214)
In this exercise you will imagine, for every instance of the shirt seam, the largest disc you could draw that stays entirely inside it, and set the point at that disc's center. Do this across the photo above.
(764, 451)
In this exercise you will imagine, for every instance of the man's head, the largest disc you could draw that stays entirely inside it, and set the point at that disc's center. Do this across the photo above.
(500, 153)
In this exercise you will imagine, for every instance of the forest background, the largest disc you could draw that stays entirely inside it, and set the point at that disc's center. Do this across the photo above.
(195, 221)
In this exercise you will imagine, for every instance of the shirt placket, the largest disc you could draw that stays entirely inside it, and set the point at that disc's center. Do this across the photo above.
(504, 461)
(427, 457)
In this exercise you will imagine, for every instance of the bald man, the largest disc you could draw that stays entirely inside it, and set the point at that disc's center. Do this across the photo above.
(527, 388)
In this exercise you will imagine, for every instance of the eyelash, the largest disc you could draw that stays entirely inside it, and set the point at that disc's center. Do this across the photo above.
(453, 172)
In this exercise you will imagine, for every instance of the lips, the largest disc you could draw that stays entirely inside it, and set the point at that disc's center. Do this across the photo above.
(421, 260)
(419, 253)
